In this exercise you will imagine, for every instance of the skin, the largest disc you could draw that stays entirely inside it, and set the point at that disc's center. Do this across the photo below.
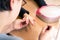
(49, 34)
(8, 21)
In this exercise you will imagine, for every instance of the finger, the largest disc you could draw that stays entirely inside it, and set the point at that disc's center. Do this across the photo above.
(24, 18)
(32, 20)
(27, 20)
(17, 24)
(23, 25)
(47, 28)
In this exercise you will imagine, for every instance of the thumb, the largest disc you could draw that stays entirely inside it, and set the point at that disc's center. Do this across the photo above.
(17, 24)
(47, 28)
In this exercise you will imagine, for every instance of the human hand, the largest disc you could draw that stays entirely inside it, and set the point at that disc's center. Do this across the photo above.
(29, 19)
(16, 25)
(48, 33)
(20, 23)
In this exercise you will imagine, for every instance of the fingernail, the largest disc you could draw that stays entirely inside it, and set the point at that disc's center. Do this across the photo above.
(27, 20)
(24, 22)
(48, 28)
(33, 22)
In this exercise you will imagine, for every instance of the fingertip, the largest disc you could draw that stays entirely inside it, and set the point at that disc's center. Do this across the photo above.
(27, 20)
(32, 22)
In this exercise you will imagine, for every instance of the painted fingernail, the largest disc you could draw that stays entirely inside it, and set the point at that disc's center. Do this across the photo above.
(24, 22)
(48, 28)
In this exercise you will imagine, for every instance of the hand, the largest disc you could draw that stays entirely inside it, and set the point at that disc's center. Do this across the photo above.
(48, 33)
(16, 25)
(19, 24)
(29, 19)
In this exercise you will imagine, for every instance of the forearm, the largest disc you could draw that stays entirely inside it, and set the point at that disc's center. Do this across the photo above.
(7, 28)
